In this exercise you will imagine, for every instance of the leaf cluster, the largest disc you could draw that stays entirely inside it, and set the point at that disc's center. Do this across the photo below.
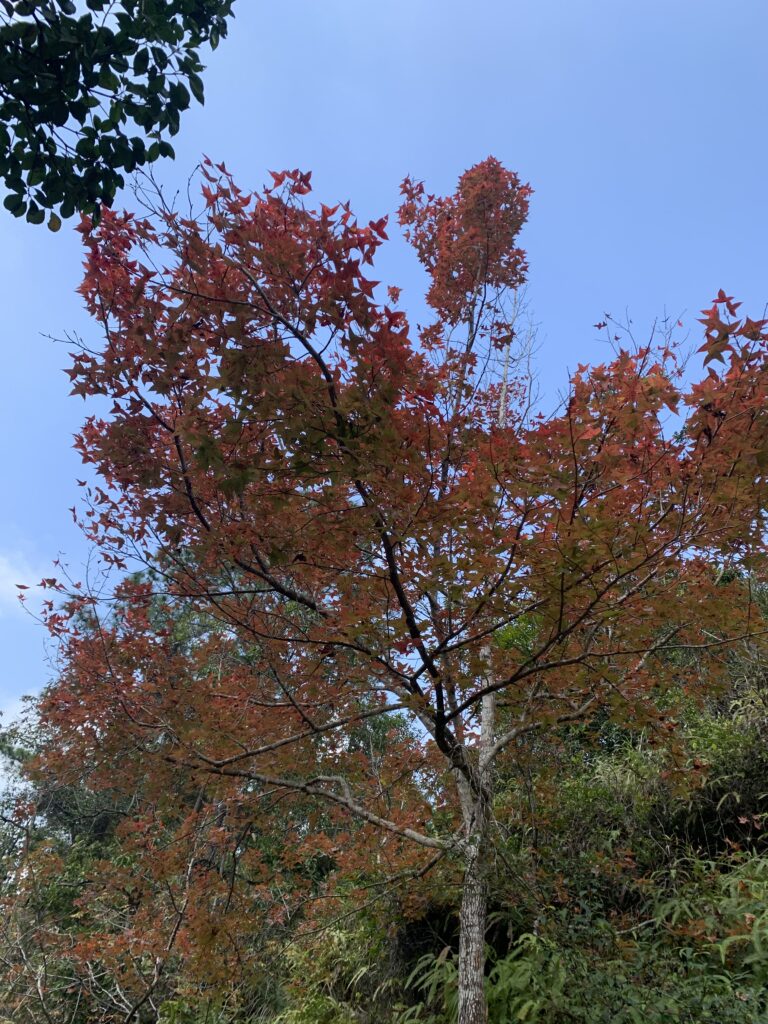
(89, 93)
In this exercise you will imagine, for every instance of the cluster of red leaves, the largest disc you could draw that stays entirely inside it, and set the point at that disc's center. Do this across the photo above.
(467, 241)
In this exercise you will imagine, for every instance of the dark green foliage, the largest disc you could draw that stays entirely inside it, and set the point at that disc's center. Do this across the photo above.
(635, 891)
(90, 92)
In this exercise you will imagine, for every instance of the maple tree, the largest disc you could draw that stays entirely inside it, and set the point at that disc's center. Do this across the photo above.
(378, 539)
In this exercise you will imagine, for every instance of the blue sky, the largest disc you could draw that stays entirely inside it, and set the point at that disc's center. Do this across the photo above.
(640, 126)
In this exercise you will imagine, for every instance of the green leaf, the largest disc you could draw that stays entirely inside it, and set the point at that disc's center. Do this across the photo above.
(141, 62)
(34, 214)
(179, 95)
(36, 175)
(13, 202)
(196, 86)
(109, 80)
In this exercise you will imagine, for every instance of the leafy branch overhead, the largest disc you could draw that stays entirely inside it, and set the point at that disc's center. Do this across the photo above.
(90, 92)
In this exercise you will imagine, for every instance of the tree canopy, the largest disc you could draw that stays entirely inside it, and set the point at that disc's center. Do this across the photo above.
(90, 92)
(373, 530)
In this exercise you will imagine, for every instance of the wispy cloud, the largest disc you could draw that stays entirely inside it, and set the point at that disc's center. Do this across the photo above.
(15, 569)
(11, 710)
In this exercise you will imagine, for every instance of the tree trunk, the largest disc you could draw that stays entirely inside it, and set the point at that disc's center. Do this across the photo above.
(477, 810)
(473, 1005)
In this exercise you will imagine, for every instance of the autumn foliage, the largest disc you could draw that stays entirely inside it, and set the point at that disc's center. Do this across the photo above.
(373, 569)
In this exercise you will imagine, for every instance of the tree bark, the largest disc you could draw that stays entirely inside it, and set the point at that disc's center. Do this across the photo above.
(477, 809)
(473, 1005)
